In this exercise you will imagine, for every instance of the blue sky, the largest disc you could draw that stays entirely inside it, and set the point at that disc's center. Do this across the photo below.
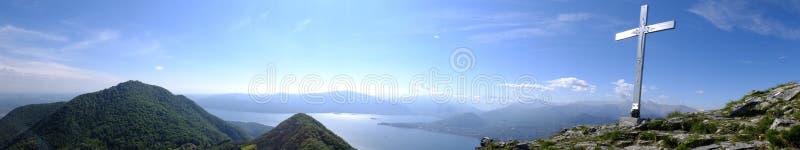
(719, 50)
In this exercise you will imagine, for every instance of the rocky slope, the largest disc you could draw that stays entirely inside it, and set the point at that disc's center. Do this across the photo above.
(766, 119)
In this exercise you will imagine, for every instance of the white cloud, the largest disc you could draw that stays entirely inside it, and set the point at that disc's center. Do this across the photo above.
(96, 38)
(47, 46)
(249, 20)
(33, 61)
(699, 92)
(537, 87)
(572, 17)
(511, 26)
(48, 77)
(302, 25)
(750, 16)
(571, 83)
(9, 32)
(623, 89)
(159, 68)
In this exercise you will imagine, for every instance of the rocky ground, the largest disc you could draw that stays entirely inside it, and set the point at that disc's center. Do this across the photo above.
(765, 119)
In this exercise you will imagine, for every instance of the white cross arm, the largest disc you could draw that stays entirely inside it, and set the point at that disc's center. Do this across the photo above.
(650, 29)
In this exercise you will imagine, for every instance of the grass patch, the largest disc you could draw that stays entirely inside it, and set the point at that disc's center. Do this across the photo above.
(648, 135)
(675, 114)
(613, 136)
(784, 139)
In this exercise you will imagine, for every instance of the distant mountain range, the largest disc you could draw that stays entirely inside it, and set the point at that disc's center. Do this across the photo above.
(534, 121)
(344, 102)
(11, 101)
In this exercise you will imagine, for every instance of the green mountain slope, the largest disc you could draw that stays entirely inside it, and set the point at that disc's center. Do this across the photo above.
(300, 132)
(253, 129)
(22, 118)
(130, 115)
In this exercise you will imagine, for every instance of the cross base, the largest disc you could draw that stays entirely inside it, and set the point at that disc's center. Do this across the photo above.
(635, 113)
(629, 121)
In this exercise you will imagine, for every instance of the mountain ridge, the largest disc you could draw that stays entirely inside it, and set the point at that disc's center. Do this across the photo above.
(131, 114)
(300, 131)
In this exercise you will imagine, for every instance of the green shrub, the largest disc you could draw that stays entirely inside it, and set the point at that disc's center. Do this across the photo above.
(793, 136)
(647, 136)
(774, 137)
(670, 142)
(613, 136)
(674, 114)
(743, 137)
(656, 125)
(696, 141)
(704, 128)
(682, 147)
(764, 124)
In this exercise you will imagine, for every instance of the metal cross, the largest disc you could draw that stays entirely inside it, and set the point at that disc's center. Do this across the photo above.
(641, 31)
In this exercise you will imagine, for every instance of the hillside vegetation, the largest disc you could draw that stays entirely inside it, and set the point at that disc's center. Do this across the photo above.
(130, 115)
(22, 118)
(300, 132)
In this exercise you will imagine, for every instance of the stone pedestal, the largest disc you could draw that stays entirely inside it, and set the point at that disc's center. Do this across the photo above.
(629, 121)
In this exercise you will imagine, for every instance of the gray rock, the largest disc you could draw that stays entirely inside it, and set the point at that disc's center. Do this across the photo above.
(640, 147)
(624, 143)
(781, 94)
(737, 146)
(585, 144)
(675, 120)
(743, 109)
(522, 146)
(573, 133)
(681, 137)
(485, 141)
(708, 147)
(629, 121)
(782, 124)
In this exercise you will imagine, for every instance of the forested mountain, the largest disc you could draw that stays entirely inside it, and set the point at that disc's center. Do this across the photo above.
(300, 132)
(130, 115)
(22, 118)
(253, 129)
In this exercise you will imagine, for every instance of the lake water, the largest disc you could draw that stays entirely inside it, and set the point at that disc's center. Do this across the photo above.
(363, 132)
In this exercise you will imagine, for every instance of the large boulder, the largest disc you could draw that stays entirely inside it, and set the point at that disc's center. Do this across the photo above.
(782, 124)
(745, 108)
(486, 141)
(786, 93)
